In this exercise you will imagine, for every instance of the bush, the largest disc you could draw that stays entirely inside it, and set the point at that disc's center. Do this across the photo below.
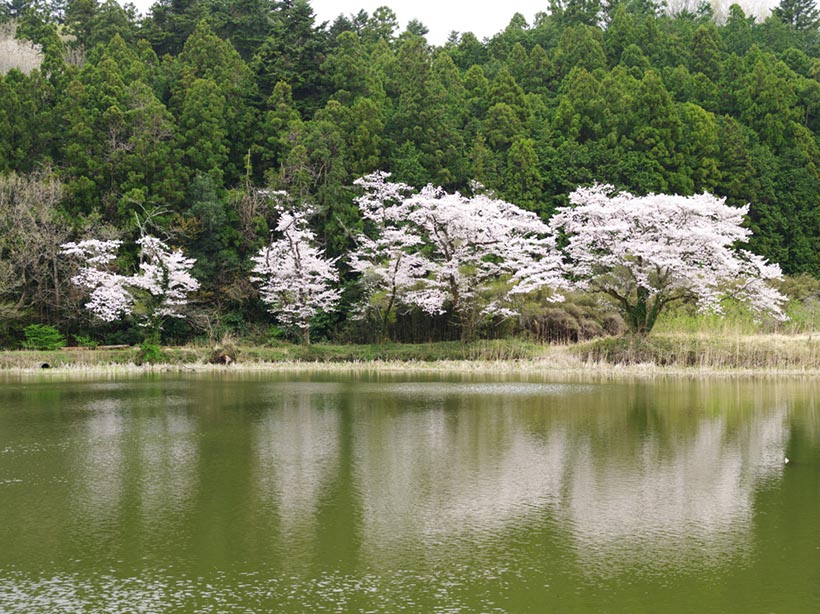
(43, 337)
(85, 341)
(579, 318)
(275, 335)
(150, 353)
(636, 349)
(799, 287)
(225, 353)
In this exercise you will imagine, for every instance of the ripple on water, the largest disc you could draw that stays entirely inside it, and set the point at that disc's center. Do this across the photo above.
(455, 590)
(521, 389)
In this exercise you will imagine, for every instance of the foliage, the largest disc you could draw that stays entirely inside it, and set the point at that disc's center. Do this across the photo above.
(150, 353)
(187, 115)
(580, 317)
(802, 15)
(85, 341)
(43, 337)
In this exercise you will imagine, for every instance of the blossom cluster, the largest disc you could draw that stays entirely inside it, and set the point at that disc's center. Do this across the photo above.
(473, 256)
(435, 250)
(667, 247)
(295, 279)
(164, 276)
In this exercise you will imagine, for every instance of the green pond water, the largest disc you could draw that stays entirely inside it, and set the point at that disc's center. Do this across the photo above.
(418, 493)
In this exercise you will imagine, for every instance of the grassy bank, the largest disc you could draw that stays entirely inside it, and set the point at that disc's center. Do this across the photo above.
(706, 351)
(498, 350)
(661, 352)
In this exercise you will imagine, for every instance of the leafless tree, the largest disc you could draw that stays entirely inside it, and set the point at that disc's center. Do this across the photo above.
(18, 54)
(34, 276)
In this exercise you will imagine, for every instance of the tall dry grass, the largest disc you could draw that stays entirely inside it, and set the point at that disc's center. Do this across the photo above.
(708, 350)
(22, 55)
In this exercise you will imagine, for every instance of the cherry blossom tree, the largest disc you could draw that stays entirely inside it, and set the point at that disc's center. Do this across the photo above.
(647, 252)
(386, 259)
(109, 300)
(295, 279)
(435, 251)
(159, 290)
(166, 281)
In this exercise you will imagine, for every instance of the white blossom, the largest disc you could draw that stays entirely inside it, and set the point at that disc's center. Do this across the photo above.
(295, 279)
(109, 298)
(435, 250)
(648, 251)
(164, 276)
(388, 264)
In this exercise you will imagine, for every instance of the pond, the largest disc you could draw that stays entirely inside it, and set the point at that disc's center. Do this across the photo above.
(380, 492)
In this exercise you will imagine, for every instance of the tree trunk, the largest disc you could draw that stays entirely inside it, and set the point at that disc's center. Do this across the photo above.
(642, 316)
(154, 334)
(383, 336)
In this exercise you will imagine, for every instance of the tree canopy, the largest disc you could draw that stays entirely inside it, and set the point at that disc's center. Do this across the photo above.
(185, 115)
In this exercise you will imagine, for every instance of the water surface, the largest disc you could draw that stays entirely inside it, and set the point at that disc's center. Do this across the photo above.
(388, 493)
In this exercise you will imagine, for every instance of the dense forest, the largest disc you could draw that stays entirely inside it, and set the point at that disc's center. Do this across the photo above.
(185, 120)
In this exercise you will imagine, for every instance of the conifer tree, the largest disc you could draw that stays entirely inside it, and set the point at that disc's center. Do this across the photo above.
(802, 15)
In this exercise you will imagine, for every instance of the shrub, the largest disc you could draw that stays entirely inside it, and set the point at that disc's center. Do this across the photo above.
(225, 353)
(150, 353)
(275, 335)
(579, 318)
(43, 337)
(85, 341)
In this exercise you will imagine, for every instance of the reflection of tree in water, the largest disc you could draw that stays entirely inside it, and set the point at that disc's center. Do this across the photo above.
(520, 483)
(297, 454)
(686, 476)
(693, 497)
(130, 463)
(169, 457)
(101, 462)
(141, 467)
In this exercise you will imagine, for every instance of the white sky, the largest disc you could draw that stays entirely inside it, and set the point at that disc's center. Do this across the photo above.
(484, 17)
(481, 17)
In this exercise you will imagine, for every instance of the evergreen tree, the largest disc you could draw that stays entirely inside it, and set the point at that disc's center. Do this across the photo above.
(170, 23)
(802, 15)
(204, 130)
(293, 53)
(580, 47)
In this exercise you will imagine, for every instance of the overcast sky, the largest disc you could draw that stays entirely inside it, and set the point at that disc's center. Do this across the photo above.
(482, 18)
(440, 16)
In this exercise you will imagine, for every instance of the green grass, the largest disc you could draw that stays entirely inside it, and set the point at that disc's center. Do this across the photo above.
(495, 350)
(507, 349)
(701, 350)
(25, 359)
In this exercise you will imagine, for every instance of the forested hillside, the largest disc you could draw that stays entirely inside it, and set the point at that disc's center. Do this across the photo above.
(186, 119)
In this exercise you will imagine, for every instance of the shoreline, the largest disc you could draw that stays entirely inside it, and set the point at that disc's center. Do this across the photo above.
(532, 368)
(695, 355)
